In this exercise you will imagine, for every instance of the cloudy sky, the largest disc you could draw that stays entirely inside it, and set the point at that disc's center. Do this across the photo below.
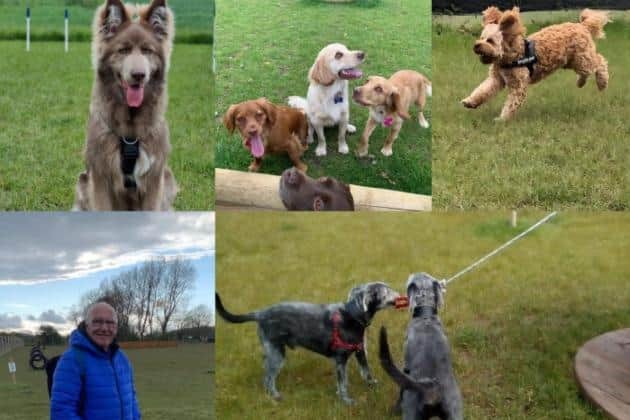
(48, 260)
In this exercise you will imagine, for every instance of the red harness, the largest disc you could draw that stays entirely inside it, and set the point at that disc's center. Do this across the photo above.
(337, 341)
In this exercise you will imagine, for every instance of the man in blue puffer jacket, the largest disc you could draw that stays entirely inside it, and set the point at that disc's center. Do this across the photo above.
(93, 379)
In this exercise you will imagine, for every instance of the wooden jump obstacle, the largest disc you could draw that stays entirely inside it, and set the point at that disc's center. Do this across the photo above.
(602, 370)
(236, 190)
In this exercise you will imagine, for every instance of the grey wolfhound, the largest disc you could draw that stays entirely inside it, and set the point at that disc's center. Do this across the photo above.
(334, 330)
(428, 386)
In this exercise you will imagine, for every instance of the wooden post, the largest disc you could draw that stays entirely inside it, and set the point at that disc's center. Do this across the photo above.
(513, 220)
(28, 29)
(65, 30)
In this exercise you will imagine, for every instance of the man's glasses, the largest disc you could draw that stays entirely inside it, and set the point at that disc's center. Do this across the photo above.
(103, 322)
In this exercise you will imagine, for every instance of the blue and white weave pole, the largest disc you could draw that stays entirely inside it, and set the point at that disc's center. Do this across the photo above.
(28, 29)
(65, 30)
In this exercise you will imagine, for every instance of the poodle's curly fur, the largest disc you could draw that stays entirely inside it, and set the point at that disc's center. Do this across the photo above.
(566, 45)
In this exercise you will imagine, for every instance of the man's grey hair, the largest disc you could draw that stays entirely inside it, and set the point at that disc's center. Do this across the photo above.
(89, 309)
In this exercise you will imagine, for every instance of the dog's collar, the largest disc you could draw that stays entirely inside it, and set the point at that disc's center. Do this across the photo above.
(129, 152)
(337, 342)
(424, 311)
(338, 97)
(528, 60)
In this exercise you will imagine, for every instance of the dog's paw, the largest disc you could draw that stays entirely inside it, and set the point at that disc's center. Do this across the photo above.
(351, 129)
(500, 119)
(343, 148)
(320, 151)
(309, 140)
(361, 152)
(469, 104)
(348, 400)
(424, 123)
(387, 151)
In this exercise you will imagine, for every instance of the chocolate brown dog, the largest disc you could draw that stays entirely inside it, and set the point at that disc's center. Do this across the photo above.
(268, 128)
(300, 192)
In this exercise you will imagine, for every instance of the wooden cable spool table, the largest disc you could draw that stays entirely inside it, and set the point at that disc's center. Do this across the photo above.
(602, 370)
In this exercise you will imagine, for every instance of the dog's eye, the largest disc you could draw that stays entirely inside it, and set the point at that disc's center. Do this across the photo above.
(124, 50)
(240, 120)
(491, 41)
(338, 55)
(378, 89)
(259, 115)
(146, 50)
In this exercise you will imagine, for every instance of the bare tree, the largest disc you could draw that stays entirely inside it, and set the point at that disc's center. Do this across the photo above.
(199, 316)
(179, 279)
(144, 297)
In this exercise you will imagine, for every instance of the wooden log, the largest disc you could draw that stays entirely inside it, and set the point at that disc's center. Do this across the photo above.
(602, 370)
(236, 190)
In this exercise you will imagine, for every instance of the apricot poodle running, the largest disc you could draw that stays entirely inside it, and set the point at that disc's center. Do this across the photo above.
(517, 62)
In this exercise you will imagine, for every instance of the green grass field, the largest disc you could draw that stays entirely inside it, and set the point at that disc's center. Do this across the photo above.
(514, 324)
(566, 147)
(193, 17)
(43, 115)
(171, 383)
(266, 48)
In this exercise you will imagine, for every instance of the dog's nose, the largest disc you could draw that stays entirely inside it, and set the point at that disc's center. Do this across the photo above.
(360, 55)
(138, 76)
(477, 48)
(252, 133)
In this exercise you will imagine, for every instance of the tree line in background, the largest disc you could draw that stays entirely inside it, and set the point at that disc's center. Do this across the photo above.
(476, 6)
(149, 299)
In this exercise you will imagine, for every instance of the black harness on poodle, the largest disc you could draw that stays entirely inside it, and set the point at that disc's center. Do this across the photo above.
(528, 60)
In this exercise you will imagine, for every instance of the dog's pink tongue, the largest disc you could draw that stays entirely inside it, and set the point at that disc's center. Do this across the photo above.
(135, 95)
(256, 146)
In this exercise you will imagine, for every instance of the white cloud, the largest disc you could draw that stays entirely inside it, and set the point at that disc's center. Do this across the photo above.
(42, 247)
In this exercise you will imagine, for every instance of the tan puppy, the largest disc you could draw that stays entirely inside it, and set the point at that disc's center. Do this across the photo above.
(388, 101)
(517, 62)
(268, 128)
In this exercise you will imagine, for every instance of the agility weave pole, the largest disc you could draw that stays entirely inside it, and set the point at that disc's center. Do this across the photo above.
(236, 190)
(499, 249)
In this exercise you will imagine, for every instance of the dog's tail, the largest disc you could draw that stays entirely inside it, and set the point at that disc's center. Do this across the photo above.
(232, 317)
(427, 387)
(298, 102)
(427, 86)
(595, 20)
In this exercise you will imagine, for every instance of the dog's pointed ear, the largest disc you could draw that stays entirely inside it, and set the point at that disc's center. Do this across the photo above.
(510, 23)
(110, 17)
(320, 72)
(269, 109)
(159, 18)
(321, 201)
(492, 15)
(228, 118)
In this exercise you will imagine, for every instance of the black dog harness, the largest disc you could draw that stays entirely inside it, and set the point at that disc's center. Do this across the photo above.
(528, 60)
(129, 152)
